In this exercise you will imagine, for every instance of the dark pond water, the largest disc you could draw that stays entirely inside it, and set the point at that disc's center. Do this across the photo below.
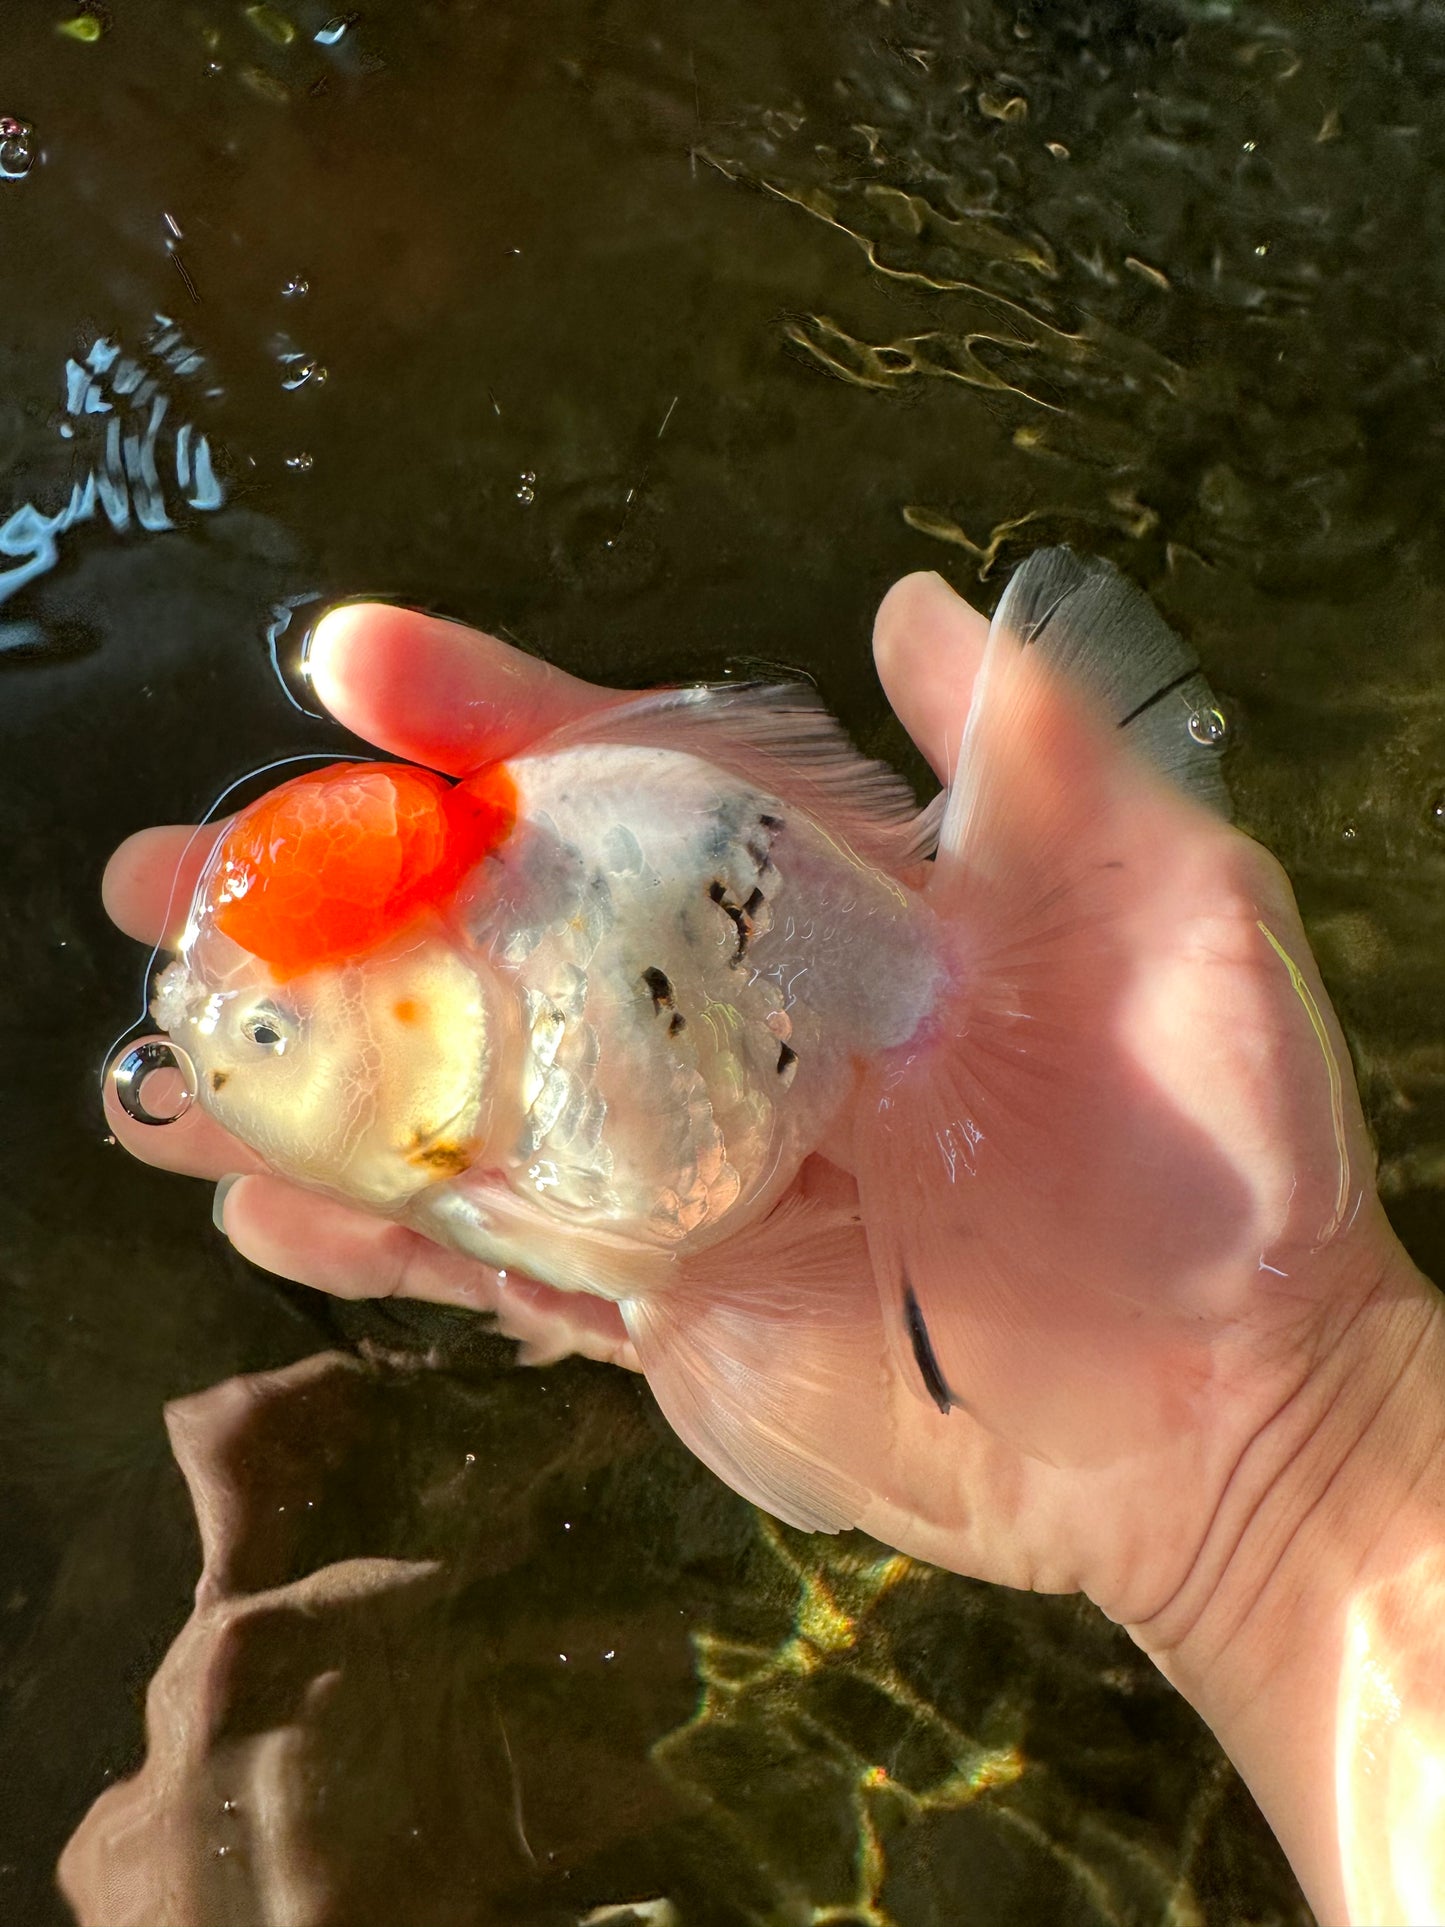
(659, 338)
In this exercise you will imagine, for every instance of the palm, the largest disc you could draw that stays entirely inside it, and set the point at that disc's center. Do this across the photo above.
(1148, 1326)
(1147, 1174)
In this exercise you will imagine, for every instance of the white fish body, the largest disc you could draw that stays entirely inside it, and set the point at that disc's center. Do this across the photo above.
(697, 972)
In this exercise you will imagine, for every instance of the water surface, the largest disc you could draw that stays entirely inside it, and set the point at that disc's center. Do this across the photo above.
(660, 340)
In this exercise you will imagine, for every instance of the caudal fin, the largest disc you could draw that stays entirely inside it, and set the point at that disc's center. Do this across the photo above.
(1094, 627)
(1065, 872)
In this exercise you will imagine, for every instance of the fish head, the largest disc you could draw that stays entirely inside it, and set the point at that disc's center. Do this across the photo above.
(336, 1018)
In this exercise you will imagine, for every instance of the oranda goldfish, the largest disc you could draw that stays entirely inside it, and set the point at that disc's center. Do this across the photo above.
(584, 1014)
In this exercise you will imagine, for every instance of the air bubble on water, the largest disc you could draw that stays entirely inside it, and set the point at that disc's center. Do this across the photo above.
(1208, 728)
(300, 462)
(471, 1458)
(17, 148)
(1349, 833)
(335, 29)
(228, 1806)
(527, 493)
(299, 373)
(1435, 810)
(295, 287)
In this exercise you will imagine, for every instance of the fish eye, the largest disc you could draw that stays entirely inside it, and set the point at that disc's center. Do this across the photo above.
(267, 1027)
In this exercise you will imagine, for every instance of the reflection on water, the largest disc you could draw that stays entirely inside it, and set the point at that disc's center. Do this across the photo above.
(422, 1682)
(660, 340)
(124, 482)
(355, 1725)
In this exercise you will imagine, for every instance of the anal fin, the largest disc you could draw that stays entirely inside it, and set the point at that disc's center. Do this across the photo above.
(768, 1359)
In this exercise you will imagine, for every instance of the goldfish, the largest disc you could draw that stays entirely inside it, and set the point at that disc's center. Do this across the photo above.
(585, 1013)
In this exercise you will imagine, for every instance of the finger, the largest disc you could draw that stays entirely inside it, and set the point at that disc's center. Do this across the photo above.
(150, 880)
(928, 645)
(193, 1144)
(436, 692)
(335, 1248)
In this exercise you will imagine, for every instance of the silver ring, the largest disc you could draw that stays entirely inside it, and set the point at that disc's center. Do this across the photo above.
(131, 1069)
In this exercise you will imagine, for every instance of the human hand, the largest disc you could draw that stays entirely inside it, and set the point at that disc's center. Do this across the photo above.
(1118, 1409)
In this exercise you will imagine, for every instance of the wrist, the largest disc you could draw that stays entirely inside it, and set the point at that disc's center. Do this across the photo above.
(1322, 1556)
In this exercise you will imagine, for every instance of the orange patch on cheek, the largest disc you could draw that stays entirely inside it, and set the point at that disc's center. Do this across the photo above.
(407, 1011)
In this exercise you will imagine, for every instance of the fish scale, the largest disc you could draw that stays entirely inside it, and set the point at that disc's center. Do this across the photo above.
(677, 1078)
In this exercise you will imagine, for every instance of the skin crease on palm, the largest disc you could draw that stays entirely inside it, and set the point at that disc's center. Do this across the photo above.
(1170, 1532)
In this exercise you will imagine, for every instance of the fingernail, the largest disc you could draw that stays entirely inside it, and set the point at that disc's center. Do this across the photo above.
(218, 1206)
(942, 582)
(325, 642)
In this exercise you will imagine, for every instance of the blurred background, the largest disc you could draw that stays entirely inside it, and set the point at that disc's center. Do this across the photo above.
(658, 339)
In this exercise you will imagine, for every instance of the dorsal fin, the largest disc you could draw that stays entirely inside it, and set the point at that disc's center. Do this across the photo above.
(779, 737)
(1102, 632)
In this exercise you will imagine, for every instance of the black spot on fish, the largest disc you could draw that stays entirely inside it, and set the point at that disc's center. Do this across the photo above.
(934, 1383)
(219, 1079)
(1158, 697)
(787, 1062)
(760, 848)
(740, 920)
(659, 986)
(743, 916)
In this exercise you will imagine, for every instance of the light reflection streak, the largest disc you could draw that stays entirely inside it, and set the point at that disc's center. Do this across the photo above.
(126, 483)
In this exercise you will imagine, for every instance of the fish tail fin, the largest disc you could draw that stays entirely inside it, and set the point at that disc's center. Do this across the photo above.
(1055, 852)
(766, 1358)
(1071, 632)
